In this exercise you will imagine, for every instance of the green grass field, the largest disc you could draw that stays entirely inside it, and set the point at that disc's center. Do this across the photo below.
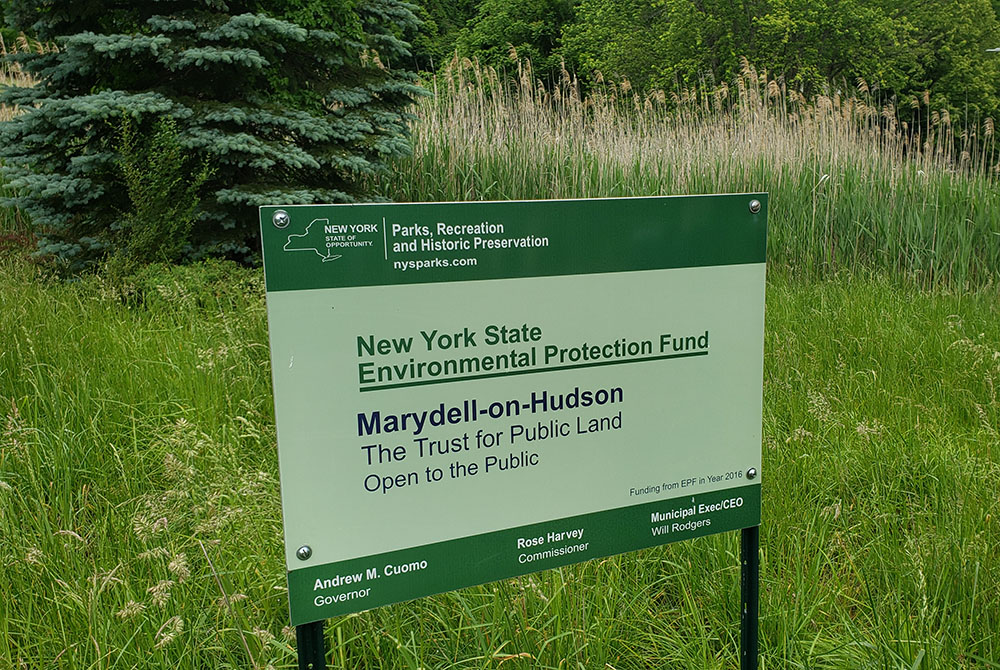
(140, 521)
(139, 485)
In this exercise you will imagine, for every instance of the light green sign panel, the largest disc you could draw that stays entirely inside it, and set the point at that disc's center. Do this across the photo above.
(466, 392)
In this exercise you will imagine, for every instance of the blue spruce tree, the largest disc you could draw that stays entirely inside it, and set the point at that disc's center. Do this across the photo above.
(281, 101)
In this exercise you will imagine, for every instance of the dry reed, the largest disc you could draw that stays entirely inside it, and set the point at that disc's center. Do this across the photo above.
(11, 73)
(853, 184)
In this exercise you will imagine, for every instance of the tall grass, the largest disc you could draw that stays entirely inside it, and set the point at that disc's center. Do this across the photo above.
(139, 484)
(852, 185)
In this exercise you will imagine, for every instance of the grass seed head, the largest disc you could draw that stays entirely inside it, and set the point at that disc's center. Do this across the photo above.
(177, 469)
(866, 429)
(160, 593)
(223, 602)
(131, 609)
(819, 407)
(173, 627)
(832, 511)
(265, 636)
(178, 567)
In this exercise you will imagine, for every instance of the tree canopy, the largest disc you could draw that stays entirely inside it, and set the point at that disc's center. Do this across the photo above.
(905, 50)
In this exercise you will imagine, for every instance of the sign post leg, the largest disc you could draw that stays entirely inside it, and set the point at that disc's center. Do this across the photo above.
(749, 596)
(311, 648)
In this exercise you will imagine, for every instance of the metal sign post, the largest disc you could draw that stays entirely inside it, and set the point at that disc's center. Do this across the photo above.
(749, 596)
(532, 384)
(310, 645)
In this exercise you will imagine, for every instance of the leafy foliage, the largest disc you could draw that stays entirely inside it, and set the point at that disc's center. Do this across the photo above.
(287, 101)
(532, 28)
(162, 186)
(623, 39)
(946, 55)
(441, 23)
(901, 48)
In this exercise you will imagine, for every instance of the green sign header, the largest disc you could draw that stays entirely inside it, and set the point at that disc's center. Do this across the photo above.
(375, 244)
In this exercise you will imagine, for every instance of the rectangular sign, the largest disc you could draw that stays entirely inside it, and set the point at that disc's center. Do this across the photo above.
(466, 392)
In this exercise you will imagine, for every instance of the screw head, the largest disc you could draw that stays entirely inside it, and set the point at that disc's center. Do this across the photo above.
(752, 473)
(754, 206)
(304, 552)
(281, 219)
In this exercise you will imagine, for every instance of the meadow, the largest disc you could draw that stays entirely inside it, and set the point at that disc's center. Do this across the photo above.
(139, 494)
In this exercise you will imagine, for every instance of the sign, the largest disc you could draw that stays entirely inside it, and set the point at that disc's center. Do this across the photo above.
(466, 392)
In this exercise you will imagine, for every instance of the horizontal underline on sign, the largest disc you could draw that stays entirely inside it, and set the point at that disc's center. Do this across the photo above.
(529, 371)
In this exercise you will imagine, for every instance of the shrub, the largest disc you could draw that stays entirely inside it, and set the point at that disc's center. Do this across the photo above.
(162, 186)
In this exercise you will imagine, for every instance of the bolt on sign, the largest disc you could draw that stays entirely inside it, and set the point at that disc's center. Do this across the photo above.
(466, 392)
